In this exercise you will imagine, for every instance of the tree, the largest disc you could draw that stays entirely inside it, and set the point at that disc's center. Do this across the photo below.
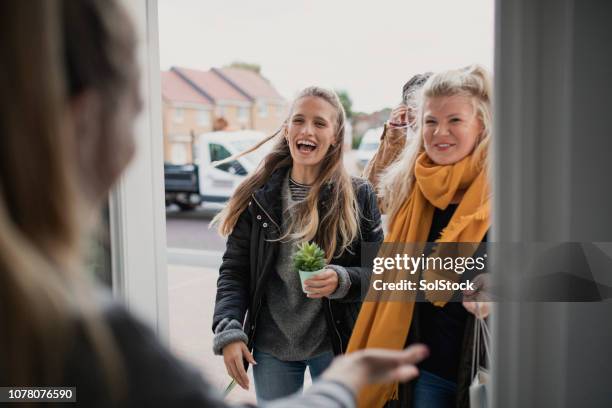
(246, 65)
(346, 102)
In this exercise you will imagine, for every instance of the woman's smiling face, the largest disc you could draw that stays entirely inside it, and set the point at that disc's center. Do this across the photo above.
(451, 128)
(311, 131)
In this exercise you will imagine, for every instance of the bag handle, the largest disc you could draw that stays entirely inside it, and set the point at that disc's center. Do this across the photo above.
(481, 334)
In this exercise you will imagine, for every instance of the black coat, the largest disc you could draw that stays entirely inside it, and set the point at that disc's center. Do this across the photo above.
(251, 254)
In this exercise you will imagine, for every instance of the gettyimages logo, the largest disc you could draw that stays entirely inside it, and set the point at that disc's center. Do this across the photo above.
(530, 272)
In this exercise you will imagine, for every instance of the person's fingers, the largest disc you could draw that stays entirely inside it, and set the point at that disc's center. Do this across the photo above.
(315, 295)
(328, 273)
(247, 355)
(241, 377)
(404, 373)
(414, 354)
(323, 290)
(229, 366)
(319, 284)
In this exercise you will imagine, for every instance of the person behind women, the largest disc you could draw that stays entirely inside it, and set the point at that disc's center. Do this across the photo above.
(437, 190)
(301, 192)
(396, 131)
(71, 96)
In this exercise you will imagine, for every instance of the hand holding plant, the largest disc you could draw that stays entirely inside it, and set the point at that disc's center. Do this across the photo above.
(309, 261)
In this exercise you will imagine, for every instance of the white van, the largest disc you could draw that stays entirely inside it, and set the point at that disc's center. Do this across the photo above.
(217, 183)
(188, 186)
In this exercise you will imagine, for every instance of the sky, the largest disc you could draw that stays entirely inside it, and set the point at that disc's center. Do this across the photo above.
(368, 48)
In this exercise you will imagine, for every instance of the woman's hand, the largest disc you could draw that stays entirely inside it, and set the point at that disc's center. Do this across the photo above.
(233, 354)
(477, 301)
(372, 366)
(399, 116)
(323, 284)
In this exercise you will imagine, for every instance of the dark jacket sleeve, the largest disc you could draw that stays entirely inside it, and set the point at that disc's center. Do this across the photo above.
(147, 374)
(151, 376)
(234, 274)
(371, 238)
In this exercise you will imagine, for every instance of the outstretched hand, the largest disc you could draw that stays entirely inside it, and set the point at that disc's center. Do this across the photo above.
(373, 366)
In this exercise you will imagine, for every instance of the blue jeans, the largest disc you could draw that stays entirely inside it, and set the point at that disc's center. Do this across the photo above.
(431, 391)
(276, 379)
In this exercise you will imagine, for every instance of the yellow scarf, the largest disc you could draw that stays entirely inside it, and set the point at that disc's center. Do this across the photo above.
(386, 324)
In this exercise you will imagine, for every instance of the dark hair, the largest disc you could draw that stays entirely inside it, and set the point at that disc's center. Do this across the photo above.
(413, 84)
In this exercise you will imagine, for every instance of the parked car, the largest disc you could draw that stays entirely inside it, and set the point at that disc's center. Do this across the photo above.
(182, 185)
(368, 146)
(190, 185)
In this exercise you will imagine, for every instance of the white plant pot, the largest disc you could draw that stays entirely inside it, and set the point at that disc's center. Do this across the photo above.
(305, 275)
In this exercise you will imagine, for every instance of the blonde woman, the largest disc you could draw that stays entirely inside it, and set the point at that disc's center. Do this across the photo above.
(71, 96)
(437, 190)
(301, 192)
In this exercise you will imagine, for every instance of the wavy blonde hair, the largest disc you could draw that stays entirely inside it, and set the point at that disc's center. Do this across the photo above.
(397, 180)
(336, 228)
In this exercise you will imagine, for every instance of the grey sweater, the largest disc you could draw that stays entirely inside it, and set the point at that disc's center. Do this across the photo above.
(291, 326)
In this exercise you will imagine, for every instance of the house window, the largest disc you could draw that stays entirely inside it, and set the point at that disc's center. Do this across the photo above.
(243, 115)
(203, 118)
(262, 109)
(179, 115)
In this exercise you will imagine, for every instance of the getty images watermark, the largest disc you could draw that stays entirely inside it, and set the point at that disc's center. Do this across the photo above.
(530, 272)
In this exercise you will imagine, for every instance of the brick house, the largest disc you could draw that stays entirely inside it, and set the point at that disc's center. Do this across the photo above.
(186, 113)
(196, 101)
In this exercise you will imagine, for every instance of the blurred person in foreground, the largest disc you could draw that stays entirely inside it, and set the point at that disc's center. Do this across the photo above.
(70, 82)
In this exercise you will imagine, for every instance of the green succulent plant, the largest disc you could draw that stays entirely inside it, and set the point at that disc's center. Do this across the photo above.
(309, 257)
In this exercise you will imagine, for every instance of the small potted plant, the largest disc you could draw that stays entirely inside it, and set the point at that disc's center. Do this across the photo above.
(309, 260)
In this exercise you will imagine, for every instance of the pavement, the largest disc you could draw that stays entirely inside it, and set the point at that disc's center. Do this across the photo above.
(191, 298)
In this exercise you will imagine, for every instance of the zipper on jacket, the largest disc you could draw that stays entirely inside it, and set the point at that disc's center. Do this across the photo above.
(265, 212)
(334, 324)
(253, 327)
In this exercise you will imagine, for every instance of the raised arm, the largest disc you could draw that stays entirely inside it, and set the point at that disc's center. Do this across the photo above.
(392, 142)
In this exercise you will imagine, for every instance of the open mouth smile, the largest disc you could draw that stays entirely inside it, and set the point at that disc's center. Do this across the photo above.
(443, 146)
(305, 146)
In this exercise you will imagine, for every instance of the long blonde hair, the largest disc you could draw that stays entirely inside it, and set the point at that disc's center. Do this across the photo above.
(473, 81)
(333, 230)
(44, 295)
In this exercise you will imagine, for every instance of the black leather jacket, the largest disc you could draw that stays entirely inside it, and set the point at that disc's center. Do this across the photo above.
(251, 252)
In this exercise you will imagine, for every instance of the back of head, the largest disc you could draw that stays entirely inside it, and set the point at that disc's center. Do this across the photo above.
(411, 89)
(52, 51)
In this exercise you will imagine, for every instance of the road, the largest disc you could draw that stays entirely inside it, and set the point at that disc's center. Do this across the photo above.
(190, 230)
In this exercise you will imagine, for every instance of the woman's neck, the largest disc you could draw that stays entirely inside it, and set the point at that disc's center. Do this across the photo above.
(304, 174)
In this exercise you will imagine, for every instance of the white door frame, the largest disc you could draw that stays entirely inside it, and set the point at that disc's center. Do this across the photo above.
(137, 204)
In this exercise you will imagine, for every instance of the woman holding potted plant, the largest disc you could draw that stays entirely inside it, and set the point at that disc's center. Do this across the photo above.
(301, 192)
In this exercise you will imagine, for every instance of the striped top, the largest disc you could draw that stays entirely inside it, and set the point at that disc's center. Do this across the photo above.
(298, 191)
